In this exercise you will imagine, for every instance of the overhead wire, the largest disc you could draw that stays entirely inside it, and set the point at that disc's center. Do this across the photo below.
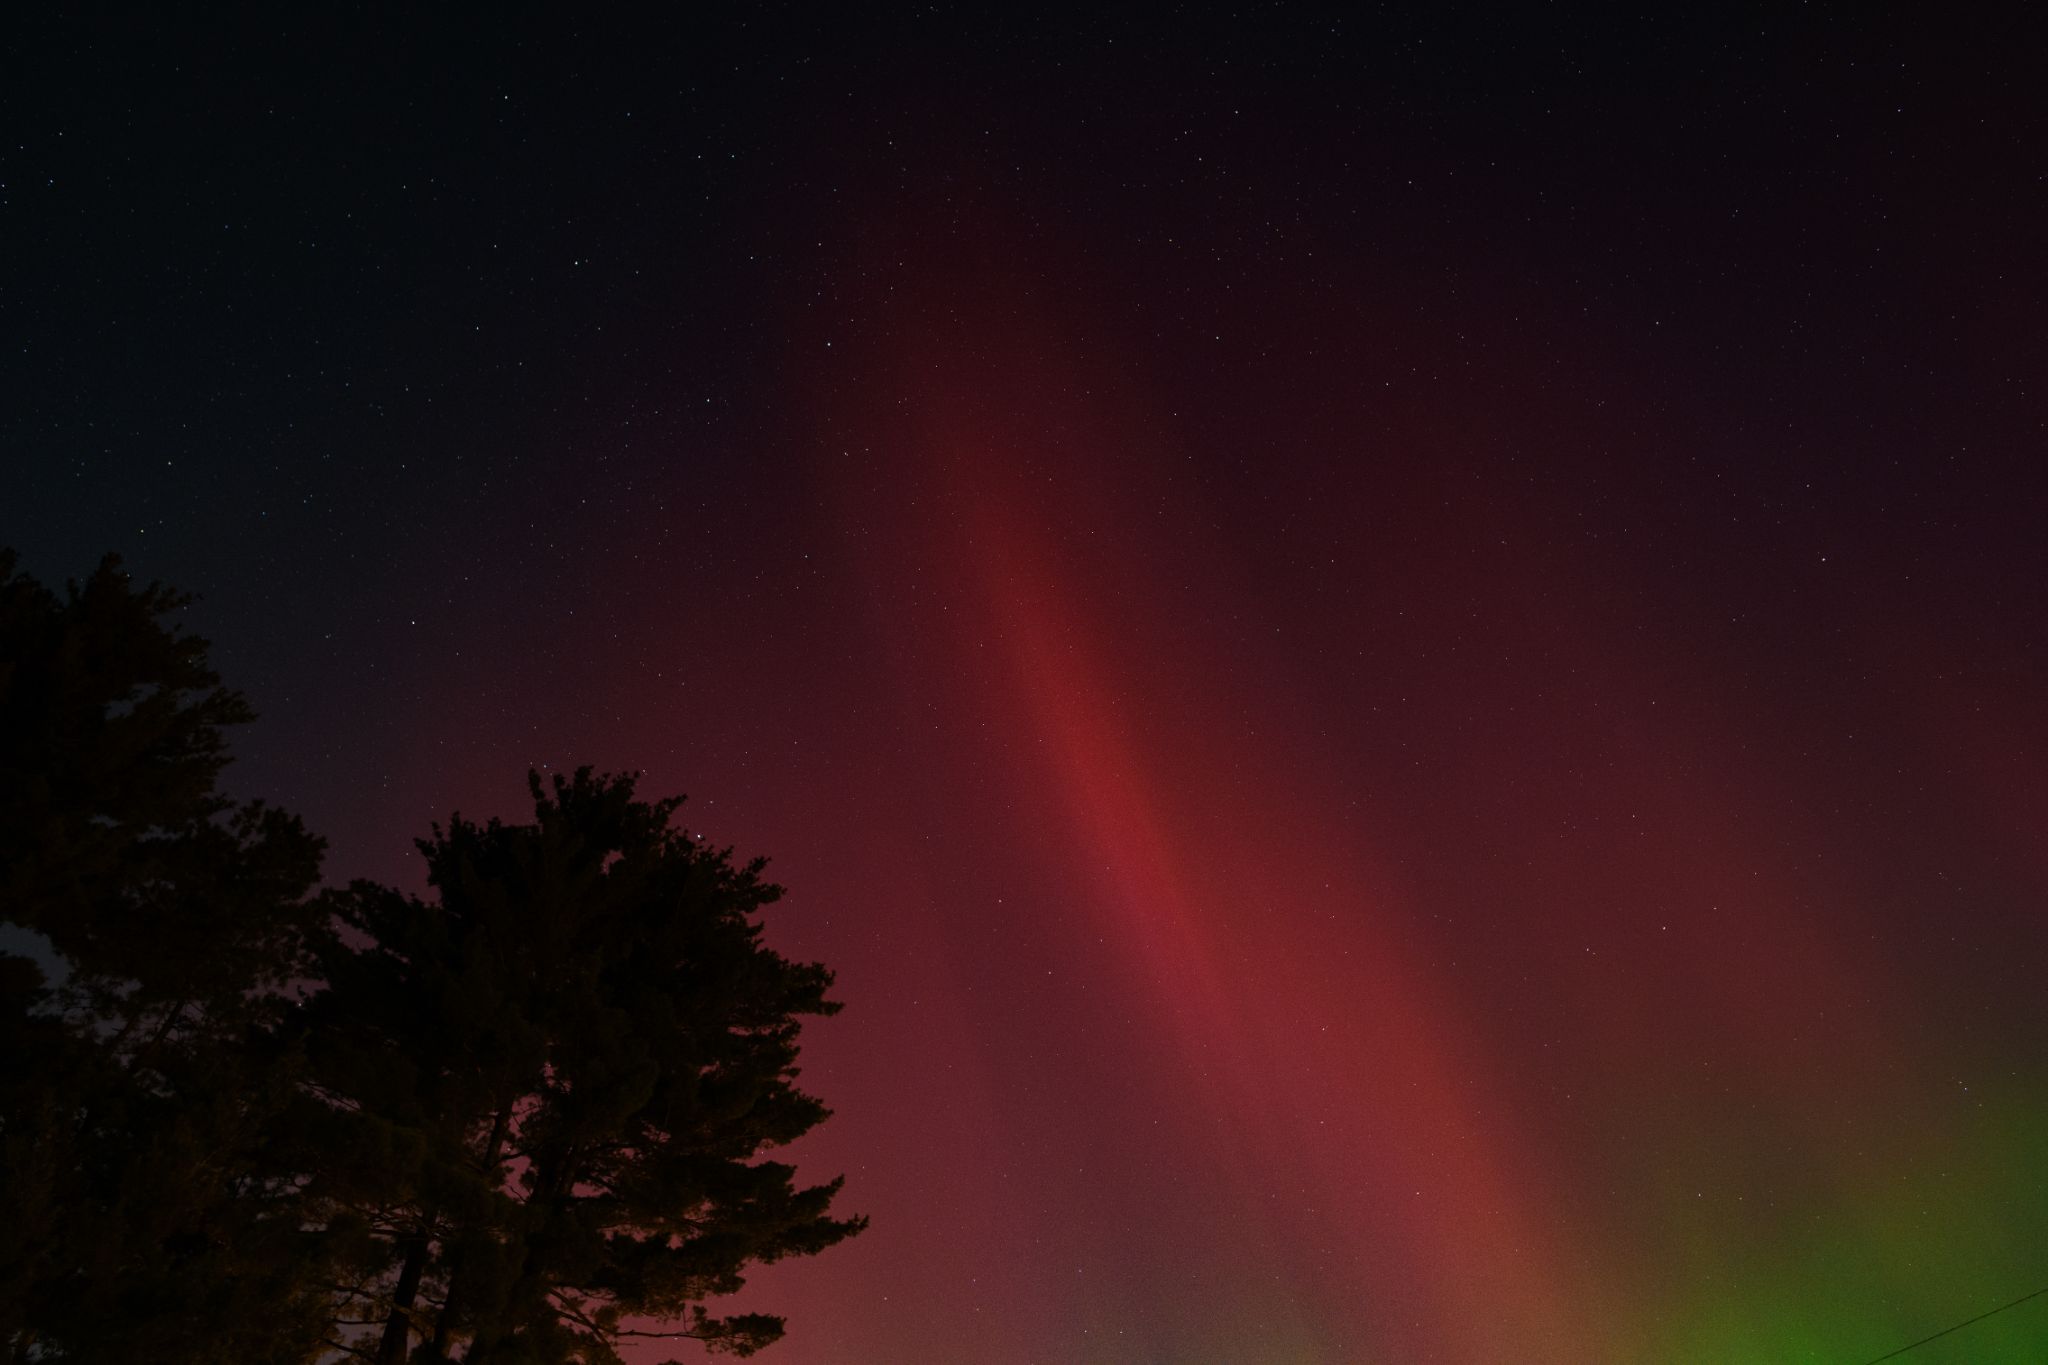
(1914, 1346)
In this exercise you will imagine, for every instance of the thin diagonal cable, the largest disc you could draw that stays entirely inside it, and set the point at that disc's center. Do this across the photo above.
(1894, 1355)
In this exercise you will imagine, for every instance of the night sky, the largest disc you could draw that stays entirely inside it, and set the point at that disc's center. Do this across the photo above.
(1400, 661)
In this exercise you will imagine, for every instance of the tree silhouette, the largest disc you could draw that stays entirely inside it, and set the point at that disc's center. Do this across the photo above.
(562, 1069)
(511, 1124)
(140, 1214)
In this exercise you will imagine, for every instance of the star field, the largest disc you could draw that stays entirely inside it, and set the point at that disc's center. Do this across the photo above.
(1397, 659)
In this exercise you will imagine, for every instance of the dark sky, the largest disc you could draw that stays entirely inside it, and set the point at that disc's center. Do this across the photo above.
(1399, 659)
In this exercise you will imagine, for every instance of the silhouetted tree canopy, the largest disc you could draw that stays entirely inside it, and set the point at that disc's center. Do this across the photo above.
(517, 1121)
(141, 1216)
(568, 1059)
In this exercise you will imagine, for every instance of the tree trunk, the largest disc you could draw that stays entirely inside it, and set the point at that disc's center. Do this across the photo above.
(398, 1327)
(444, 1325)
(553, 1180)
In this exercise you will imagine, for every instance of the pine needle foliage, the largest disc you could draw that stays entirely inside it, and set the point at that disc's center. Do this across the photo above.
(155, 929)
(560, 1072)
